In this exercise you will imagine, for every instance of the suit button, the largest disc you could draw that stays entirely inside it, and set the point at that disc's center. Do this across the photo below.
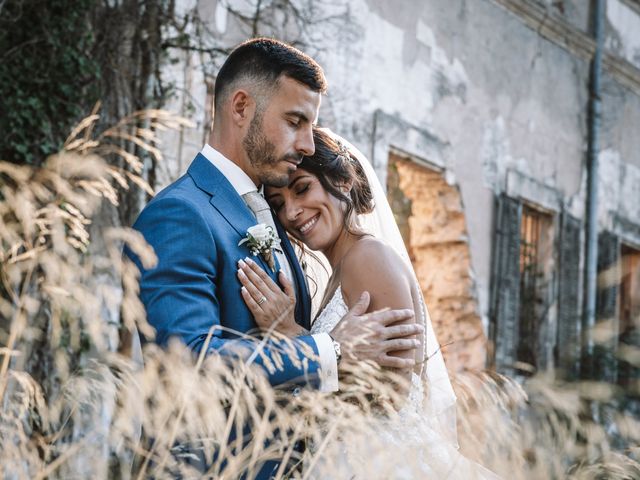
(296, 392)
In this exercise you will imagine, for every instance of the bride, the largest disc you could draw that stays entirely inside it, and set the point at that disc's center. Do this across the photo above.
(335, 205)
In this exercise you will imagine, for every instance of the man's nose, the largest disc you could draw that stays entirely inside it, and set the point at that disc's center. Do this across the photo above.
(304, 142)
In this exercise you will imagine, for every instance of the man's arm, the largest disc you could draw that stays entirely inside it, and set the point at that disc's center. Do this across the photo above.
(182, 299)
(372, 336)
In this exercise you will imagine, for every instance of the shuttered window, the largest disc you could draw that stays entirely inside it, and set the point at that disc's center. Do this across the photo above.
(522, 293)
(535, 253)
(505, 281)
(521, 286)
(605, 338)
(568, 342)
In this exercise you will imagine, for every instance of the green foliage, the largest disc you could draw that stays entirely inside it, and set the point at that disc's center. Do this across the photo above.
(48, 79)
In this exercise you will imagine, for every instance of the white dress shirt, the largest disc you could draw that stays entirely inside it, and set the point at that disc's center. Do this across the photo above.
(243, 184)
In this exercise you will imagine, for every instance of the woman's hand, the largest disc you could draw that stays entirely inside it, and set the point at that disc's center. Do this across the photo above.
(272, 308)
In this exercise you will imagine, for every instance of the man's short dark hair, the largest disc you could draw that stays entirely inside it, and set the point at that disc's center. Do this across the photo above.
(263, 61)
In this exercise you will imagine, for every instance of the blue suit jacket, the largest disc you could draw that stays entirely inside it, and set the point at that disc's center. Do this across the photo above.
(194, 226)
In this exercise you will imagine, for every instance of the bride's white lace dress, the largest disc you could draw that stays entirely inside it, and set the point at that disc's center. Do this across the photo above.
(407, 445)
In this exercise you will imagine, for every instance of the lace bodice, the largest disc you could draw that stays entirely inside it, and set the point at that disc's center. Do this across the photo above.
(330, 314)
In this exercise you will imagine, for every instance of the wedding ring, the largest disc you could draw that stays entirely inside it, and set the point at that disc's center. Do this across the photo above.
(262, 300)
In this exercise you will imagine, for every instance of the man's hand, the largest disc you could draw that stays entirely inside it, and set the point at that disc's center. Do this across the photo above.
(372, 336)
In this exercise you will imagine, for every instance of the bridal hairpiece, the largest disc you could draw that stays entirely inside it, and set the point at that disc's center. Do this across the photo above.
(343, 153)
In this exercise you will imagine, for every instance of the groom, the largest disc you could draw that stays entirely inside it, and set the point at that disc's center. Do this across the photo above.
(267, 97)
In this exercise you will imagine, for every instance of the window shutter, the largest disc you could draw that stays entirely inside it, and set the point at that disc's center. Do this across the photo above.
(506, 282)
(568, 342)
(607, 305)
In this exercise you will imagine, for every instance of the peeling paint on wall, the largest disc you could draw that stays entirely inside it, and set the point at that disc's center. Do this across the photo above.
(618, 188)
(625, 37)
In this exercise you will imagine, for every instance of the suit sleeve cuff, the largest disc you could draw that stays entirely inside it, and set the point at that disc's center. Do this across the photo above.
(328, 363)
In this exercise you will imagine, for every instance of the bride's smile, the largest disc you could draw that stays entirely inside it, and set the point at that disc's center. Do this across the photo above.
(306, 226)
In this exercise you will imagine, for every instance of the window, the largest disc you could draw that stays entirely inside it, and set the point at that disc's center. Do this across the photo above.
(535, 258)
(523, 264)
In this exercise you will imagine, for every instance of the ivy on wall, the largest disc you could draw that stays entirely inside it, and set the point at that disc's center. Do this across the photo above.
(48, 80)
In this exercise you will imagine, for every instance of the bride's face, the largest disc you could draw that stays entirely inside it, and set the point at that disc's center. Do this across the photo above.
(307, 210)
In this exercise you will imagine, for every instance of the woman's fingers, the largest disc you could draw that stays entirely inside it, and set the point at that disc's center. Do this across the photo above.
(251, 287)
(251, 303)
(258, 276)
(265, 299)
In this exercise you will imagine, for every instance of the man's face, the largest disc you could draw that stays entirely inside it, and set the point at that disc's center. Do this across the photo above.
(280, 135)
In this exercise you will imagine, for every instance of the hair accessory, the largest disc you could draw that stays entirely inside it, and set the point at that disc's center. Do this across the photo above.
(343, 153)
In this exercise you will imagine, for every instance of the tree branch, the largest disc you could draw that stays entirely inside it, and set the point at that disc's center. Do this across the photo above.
(195, 48)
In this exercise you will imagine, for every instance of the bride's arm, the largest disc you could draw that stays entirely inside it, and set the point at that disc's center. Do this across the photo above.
(374, 267)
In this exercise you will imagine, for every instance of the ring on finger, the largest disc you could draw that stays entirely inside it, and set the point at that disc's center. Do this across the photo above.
(262, 300)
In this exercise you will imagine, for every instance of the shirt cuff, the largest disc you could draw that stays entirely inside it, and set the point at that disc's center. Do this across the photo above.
(328, 362)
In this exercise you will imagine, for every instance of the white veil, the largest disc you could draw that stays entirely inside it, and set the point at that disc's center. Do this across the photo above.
(440, 408)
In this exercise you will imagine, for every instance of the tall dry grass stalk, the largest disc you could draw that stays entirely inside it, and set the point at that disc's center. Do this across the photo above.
(76, 405)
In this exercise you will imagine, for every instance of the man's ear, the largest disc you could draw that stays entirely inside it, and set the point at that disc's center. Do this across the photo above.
(243, 107)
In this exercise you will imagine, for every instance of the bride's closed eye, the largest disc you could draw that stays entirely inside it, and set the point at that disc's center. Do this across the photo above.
(302, 188)
(276, 202)
(299, 190)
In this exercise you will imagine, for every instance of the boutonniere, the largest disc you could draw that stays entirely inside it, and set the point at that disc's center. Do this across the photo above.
(262, 240)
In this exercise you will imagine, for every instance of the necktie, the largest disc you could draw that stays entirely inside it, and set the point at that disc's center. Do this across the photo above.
(260, 208)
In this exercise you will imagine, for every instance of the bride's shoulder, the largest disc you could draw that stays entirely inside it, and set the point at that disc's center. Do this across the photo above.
(371, 249)
(369, 258)
(372, 265)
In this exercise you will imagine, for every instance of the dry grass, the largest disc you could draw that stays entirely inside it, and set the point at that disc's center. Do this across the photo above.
(75, 406)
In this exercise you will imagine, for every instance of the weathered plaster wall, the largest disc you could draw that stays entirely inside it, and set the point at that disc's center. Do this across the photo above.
(493, 96)
(623, 30)
(477, 81)
(619, 159)
(187, 73)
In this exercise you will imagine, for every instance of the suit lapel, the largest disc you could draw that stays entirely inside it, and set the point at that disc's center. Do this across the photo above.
(224, 198)
(303, 305)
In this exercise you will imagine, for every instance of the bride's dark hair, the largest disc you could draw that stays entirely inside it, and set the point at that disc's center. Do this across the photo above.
(336, 167)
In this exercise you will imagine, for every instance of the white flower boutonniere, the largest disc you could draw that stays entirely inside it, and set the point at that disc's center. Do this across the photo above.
(262, 240)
